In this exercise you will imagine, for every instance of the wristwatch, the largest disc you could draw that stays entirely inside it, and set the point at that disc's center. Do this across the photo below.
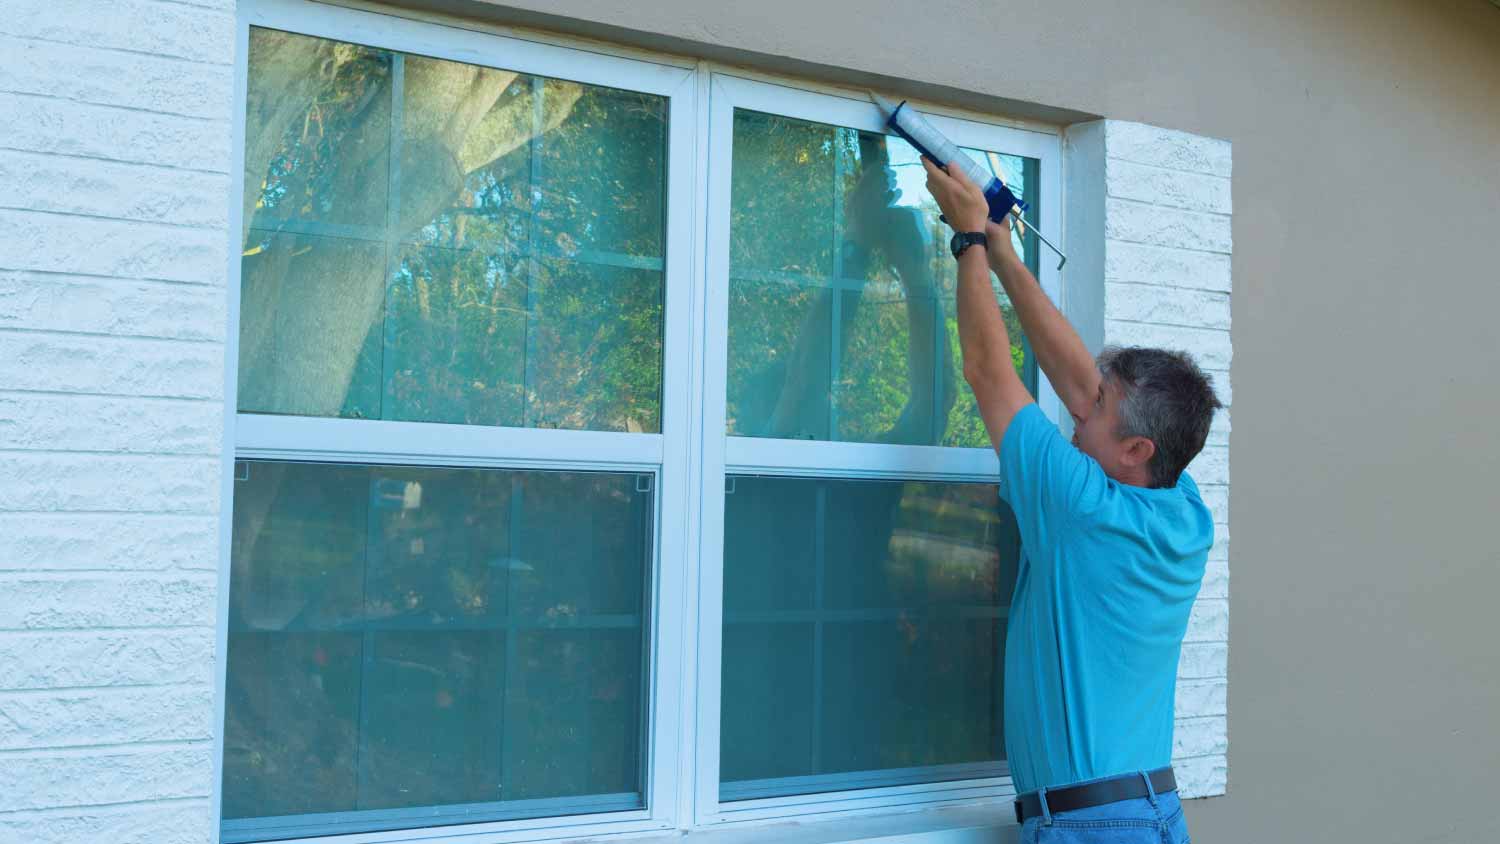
(963, 240)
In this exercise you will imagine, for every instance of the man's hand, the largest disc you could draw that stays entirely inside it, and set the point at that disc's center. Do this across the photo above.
(962, 201)
(998, 236)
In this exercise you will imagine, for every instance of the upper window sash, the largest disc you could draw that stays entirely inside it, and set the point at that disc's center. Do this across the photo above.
(851, 111)
(334, 436)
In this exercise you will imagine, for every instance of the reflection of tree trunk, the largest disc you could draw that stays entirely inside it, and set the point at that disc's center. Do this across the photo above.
(299, 349)
(929, 356)
(802, 403)
(453, 121)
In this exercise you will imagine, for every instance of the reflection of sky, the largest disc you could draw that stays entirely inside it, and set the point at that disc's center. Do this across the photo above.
(911, 179)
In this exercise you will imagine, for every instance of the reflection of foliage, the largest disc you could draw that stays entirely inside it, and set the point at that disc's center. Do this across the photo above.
(828, 284)
(906, 584)
(300, 179)
(461, 255)
(495, 320)
(841, 327)
(411, 636)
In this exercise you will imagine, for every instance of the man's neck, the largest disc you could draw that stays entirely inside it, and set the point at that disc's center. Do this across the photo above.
(1137, 476)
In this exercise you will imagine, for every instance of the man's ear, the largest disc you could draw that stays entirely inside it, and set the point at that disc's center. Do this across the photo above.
(1138, 451)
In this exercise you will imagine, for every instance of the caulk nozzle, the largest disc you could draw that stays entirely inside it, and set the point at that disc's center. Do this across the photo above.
(887, 108)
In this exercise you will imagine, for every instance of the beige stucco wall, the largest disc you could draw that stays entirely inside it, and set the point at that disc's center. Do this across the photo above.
(1366, 687)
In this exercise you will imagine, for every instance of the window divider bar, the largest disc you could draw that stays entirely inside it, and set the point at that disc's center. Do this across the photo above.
(431, 443)
(818, 458)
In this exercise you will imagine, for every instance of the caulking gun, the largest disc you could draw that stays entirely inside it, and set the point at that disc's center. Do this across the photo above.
(911, 125)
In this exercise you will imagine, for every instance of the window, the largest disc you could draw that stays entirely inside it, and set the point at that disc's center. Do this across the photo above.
(857, 564)
(457, 315)
(602, 462)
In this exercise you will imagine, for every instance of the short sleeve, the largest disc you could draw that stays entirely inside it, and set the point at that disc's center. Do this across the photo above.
(1047, 482)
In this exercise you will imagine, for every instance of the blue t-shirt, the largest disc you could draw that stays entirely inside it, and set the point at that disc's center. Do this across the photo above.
(1107, 578)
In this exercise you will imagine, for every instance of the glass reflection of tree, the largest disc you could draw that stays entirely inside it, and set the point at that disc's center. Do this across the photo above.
(897, 547)
(437, 241)
(875, 227)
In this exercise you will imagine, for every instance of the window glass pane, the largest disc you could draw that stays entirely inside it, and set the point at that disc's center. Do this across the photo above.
(428, 240)
(841, 320)
(417, 646)
(864, 626)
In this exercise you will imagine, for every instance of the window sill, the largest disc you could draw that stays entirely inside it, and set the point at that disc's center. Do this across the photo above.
(985, 823)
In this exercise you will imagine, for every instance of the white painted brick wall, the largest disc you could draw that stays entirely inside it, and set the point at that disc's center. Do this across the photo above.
(128, 367)
(156, 822)
(90, 717)
(106, 776)
(1167, 205)
(114, 206)
(37, 542)
(61, 659)
(142, 192)
(106, 133)
(73, 600)
(109, 423)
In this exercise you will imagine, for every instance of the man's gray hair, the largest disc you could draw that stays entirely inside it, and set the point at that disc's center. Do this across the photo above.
(1165, 398)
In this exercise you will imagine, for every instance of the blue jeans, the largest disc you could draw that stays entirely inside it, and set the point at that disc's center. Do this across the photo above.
(1143, 820)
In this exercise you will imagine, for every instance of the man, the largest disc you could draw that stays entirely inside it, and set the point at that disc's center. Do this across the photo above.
(1114, 541)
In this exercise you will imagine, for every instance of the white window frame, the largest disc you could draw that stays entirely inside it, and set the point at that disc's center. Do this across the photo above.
(724, 455)
(664, 455)
(690, 457)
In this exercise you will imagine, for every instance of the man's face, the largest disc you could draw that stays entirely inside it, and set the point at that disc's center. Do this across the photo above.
(1097, 434)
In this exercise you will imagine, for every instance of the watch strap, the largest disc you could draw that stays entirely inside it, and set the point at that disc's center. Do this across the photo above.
(963, 240)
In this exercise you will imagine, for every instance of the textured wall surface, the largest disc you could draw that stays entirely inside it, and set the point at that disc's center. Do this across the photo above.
(114, 161)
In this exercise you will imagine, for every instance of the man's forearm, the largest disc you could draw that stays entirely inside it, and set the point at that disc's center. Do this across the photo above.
(1059, 350)
(986, 348)
(981, 329)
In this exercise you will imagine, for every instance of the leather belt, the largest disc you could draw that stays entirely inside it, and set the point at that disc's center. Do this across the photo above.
(1113, 790)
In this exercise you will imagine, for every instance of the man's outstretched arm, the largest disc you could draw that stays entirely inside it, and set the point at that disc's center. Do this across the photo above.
(981, 329)
(1059, 350)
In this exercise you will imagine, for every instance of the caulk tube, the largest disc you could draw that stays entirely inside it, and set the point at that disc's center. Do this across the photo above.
(911, 125)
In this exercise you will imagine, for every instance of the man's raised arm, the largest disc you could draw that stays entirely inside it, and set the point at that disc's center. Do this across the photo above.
(981, 329)
(1059, 350)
